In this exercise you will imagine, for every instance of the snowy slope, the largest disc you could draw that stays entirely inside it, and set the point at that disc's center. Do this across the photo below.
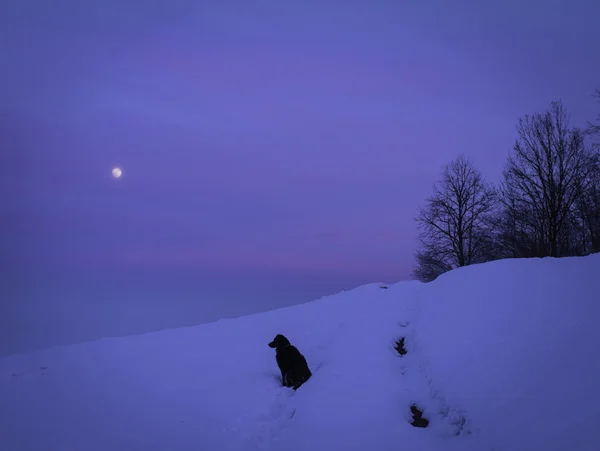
(500, 356)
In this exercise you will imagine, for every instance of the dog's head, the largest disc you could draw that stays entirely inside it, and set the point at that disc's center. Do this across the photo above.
(279, 342)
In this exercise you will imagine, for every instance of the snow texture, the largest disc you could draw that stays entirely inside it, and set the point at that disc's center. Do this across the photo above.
(500, 356)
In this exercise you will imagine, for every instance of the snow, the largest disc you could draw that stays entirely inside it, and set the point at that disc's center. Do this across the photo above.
(500, 356)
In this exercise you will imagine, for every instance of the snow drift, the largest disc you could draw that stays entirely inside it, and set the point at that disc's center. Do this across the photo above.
(500, 356)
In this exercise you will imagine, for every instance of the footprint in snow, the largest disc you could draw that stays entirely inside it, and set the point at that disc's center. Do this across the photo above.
(271, 421)
(30, 373)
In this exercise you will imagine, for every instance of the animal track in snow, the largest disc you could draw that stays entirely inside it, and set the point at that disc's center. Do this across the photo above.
(271, 421)
(455, 418)
(30, 373)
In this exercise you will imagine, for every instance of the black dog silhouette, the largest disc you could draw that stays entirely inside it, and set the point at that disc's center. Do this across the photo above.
(292, 364)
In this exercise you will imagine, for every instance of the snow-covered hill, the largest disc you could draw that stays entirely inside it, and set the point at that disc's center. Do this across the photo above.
(500, 356)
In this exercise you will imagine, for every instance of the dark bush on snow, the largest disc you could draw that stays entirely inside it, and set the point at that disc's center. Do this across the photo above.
(399, 346)
(418, 420)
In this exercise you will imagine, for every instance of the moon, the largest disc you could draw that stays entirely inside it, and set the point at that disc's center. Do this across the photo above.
(117, 172)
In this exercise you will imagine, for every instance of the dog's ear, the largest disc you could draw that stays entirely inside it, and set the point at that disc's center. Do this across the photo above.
(282, 340)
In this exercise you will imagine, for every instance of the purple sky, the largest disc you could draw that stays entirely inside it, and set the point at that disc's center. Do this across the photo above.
(260, 140)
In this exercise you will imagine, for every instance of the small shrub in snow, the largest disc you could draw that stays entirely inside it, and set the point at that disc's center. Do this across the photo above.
(399, 347)
(418, 420)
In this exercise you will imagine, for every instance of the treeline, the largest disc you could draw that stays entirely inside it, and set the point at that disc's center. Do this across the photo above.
(547, 203)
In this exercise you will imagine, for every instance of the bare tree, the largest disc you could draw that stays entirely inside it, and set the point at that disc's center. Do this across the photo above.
(455, 224)
(514, 231)
(586, 220)
(588, 206)
(594, 129)
(429, 264)
(548, 171)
